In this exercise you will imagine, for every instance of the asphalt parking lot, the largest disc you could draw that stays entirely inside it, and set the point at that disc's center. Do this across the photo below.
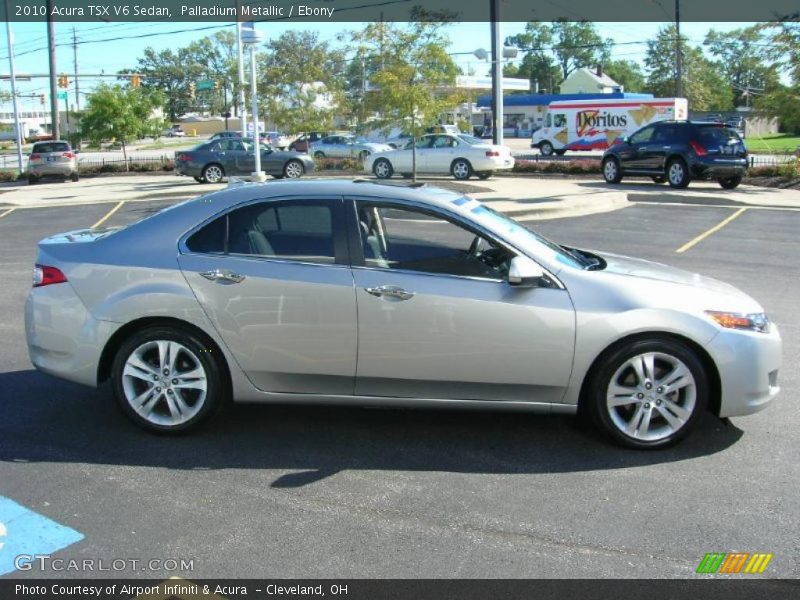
(275, 491)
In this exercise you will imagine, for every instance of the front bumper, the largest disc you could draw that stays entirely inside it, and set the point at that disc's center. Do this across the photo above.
(748, 364)
(64, 339)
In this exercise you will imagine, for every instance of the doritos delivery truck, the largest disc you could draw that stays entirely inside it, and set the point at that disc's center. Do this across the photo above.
(595, 124)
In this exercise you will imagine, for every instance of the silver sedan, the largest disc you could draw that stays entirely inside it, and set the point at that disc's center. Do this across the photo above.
(370, 294)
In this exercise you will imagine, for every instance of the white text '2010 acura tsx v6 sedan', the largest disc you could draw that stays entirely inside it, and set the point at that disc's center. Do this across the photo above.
(373, 294)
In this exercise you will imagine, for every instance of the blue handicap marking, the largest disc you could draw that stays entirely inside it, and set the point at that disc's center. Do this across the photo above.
(23, 531)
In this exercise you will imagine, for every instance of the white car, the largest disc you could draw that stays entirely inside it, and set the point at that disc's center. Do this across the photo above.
(276, 139)
(460, 155)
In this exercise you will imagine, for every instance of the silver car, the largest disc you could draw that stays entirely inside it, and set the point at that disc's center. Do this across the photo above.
(52, 159)
(345, 146)
(361, 293)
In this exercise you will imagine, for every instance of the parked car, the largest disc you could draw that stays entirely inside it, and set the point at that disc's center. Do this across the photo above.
(225, 135)
(459, 155)
(175, 131)
(275, 139)
(345, 146)
(277, 292)
(52, 159)
(304, 141)
(677, 152)
(212, 161)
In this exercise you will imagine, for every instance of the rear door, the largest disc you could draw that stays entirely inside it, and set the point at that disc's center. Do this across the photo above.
(273, 277)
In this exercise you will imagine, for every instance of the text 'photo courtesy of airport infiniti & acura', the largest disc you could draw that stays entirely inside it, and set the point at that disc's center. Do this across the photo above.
(354, 292)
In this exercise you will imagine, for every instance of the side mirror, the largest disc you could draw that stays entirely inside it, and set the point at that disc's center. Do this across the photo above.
(523, 272)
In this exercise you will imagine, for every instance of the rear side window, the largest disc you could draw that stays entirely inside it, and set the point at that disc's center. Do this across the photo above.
(210, 239)
(717, 136)
(45, 147)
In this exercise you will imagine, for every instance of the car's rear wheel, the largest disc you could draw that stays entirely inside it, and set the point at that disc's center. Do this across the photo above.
(32, 180)
(612, 172)
(648, 393)
(168, 380)
(199, 180)
(383, 169)
(728, 183)
(546, 148)
(75, 177)
(363, 154)
(678, 174)
(484, 174)
(659, 179)
(560, 152)
(213, 173)
(319, 154)
(461, 169)
(293, 169)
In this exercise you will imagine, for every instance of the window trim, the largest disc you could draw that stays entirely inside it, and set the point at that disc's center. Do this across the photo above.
(338, 224)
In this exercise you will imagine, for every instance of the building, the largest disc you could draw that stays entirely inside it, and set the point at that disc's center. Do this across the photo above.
(523, 113)
(590, 81)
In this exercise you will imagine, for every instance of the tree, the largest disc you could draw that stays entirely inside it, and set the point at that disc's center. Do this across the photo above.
(743, 60)
(537, 64)
(784, 101)
(300, 83)
(415, 79)
(121, 113)
(627, 73)
(704, 85)
(170, 73)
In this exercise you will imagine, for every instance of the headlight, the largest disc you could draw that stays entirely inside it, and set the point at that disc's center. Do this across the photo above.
(751, 322)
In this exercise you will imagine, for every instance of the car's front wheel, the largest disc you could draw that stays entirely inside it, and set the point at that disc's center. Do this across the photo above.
(612, 172)
(382, 169)
(213, 173)
(648, 393)
(168, 380)
(678, 174)
(728, 183)
(546, 148)
(319, 154)
(293, 169)
(461, 169)
(484, 174)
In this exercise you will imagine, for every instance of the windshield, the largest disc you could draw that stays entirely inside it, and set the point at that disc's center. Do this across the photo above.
(520, 235)
(470, 139)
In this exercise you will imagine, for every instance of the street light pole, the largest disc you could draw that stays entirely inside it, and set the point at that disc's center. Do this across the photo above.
(497, 75)
(13, 72)
(240, 54)
(251, 37)
(678, 51)
(51, 46)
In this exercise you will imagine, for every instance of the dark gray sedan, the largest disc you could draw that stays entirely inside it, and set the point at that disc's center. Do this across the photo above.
(212, 161)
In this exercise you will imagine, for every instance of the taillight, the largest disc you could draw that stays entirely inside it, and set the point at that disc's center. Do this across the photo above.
(492, 153)
(184, 157)
(35, 157)
(44, 275)
(68, 155)
(698, 149)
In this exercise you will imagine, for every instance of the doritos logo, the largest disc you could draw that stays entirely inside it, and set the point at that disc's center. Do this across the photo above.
(589, 122)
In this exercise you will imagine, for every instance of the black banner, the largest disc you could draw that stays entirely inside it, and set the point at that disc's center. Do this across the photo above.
(396, 10)
(364, 589)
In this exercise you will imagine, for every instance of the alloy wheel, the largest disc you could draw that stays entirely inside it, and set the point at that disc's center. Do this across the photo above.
(676, 173)
(293, 169)
(164, 382)
(610, 170)
(461, 170)
(651, 396)
(213, 174)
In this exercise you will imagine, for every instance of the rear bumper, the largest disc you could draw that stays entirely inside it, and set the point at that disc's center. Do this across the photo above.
(54, 169)
(716, 167)
(63, 338)
(748, 364)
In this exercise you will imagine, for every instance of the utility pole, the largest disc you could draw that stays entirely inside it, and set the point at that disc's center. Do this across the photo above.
(51, 45)
(18, 135)
(678, 51)
(240, 59)
(497, 73)
(75, 68)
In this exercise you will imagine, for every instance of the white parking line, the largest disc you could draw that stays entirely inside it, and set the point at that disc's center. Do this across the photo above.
(108, 215)
(711, 231)
(6, 213)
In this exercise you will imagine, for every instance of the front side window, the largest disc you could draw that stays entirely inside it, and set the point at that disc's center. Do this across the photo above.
(643, 135)
(560, 120)
(286, 230)
(413, 240)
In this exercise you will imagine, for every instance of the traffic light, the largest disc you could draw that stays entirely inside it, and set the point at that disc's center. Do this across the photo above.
(136, 81)
(217, 85)
(63, 81)
(192, 89)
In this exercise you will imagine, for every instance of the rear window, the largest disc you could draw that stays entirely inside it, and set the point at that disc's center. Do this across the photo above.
(715, 135)
(45, 147)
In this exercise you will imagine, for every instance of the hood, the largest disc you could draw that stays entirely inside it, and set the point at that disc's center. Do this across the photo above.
(375, 146)
(723, 296)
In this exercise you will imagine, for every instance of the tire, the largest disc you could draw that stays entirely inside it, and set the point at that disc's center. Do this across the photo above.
(143, 385)
(612, 172)
(293, 169)
(659, 179)
(677, 174)
(546, 148)
(406, 175)
(729, 183)
(32, 180)
(213, 173)
(382, 169)
(75, 177)
(199, 180)
(319, 154)
(484, 174)
(560, 152)
(654, 417)
(461, 169)
(363, 154)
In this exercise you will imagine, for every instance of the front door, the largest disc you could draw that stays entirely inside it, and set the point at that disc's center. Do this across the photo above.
(273, 279)
(437, 318)
(635, 154)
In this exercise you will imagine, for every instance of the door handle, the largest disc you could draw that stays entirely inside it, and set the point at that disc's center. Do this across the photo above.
(390, 291)
(223, 275)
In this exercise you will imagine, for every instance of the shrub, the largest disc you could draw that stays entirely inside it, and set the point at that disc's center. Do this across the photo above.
(575, 167)
(338, 164)
(10, 175)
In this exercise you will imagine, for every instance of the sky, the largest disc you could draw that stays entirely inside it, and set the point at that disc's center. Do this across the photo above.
(95, 56)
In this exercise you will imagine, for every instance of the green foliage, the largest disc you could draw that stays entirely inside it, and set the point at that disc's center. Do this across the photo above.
(703, 82)
(627, 73)
(121, 113)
